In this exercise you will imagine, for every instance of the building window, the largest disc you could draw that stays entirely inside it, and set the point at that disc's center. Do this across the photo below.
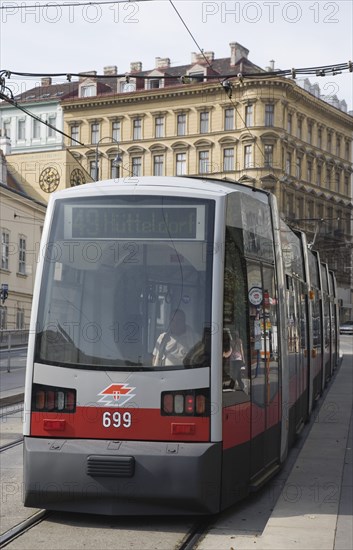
(154, 83)
(158, 165)
(337, 181)
(289, 123)
(92, 170)
(248, 115)
(204, 162)
(204, 122)
(181, 124)
(5, 242)
(137, 128)
(7, 128)
(310, 132)
(36, 128)
(347, 153)
(330, 218)
(88, 91)
(136, 166)
(228, 159)
(346, 184)
(229, 119)
(299, 128)
(114, 169)
(328, 176)
(75, 134)
(298, 168)
(20, 318)
(116, 130)
(52, 122)
(310, 209)
(181, 164)
(268, 156)
(21, 129)
(309, 169)
(94, 132)
(159, 126)
(196, 77)
(248, 156)
(22, 256)
(3, 317)
(288, 163)
(338, 146)
(269, 114)
(318, 174)
(329, 142)
(319, 138)
(300, 207)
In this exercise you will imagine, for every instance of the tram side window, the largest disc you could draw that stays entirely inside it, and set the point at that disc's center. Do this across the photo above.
(236, 383)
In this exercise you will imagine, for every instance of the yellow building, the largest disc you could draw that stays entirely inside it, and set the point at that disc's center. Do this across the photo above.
(21, 219)
(223, 118)
(270, 133)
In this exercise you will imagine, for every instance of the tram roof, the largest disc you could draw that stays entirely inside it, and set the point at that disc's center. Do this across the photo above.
(163, 185)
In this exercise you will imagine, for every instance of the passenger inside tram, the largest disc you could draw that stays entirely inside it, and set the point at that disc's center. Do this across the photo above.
(173, 345)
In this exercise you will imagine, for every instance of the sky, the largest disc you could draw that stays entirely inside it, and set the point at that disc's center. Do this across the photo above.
(66, 38)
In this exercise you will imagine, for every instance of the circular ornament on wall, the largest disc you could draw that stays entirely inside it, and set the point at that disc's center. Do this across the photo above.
(77, 177)
(49, 179)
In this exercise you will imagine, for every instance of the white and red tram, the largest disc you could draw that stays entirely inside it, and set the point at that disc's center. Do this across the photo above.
(113, 430)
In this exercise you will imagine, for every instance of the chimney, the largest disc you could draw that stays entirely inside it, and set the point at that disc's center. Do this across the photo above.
(135, 67)
(110, 70)
(209, 56)
(200, 58)
(46, 81)
(237, 52)
(271, 66)
(86, 74)
(162, 62)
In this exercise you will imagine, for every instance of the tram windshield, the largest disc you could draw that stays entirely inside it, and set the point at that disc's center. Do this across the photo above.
(127, 283)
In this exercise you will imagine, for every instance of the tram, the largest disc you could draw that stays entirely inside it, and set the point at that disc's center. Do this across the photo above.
(180, 336)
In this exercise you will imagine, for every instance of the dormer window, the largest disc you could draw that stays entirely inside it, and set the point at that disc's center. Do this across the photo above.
(88, 91)
(87, 87)
(155, 83)
(197, 77)
(197, 72)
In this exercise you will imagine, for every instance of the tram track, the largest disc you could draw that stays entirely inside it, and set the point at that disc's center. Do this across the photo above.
(10, 445)
(9, 410)
(194, 535)
(21, 528)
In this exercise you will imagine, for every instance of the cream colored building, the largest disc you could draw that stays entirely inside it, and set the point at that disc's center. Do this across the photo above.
(262, 130)
(270, 133)
(21, 219)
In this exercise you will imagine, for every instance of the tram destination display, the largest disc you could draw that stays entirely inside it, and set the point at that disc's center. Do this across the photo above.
(180, 222)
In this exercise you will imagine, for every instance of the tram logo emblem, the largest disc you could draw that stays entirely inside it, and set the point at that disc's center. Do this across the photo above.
(116, 395)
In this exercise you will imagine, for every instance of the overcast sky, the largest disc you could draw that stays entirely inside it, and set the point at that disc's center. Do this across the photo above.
(78, 38)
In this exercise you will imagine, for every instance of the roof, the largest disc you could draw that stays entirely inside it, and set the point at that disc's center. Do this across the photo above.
(69, 90)
(17, 184)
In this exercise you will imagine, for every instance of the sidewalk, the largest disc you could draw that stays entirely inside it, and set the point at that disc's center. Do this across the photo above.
(315, 507)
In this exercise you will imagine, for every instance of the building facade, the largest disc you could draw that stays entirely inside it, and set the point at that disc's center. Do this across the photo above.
(21, 222)
(265, 131)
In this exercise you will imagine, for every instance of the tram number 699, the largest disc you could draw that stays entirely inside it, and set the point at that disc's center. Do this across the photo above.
(117, 419)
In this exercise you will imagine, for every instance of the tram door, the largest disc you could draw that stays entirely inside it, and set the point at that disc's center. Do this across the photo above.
(265, 405)
(297, 352)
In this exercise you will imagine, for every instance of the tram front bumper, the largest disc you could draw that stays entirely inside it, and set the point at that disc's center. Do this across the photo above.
(122, 477)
